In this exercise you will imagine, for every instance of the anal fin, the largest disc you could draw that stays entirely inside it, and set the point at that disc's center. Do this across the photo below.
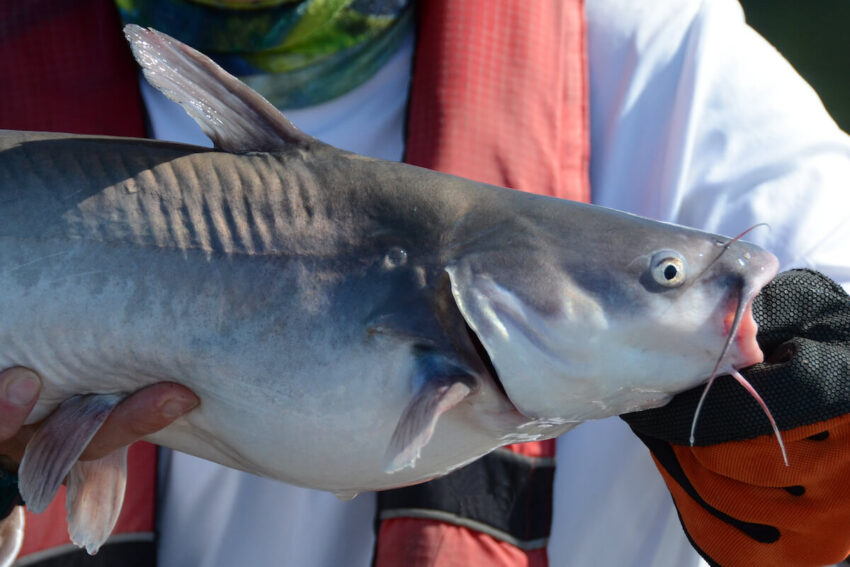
(443, 385)
(94, 498)
(57, 445)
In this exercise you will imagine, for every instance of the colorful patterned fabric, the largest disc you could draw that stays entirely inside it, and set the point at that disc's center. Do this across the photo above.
(296, 53)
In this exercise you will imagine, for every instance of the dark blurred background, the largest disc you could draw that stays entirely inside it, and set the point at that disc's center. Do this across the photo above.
(814, 35)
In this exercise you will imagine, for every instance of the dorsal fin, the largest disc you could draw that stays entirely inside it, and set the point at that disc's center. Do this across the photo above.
(235, 117)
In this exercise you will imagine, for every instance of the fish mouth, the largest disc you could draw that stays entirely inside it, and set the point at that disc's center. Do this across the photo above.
(747, 350)
(742, 331)
(739, 325)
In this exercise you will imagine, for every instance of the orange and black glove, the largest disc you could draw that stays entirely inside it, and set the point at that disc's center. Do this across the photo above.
(737, 501)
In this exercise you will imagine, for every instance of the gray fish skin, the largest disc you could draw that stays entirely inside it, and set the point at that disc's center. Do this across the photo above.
(291, 291)
(279, 293)
(349, 324)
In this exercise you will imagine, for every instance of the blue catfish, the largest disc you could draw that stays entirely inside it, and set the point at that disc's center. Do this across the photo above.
(349, 324)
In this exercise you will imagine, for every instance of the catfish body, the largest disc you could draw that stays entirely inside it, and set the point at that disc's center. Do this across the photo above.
(349, 324)
(289, 304)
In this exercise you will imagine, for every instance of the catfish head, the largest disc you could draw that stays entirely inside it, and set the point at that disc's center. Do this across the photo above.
(586, 312)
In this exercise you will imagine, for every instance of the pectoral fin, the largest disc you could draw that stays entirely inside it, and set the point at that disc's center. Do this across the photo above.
(443, 385)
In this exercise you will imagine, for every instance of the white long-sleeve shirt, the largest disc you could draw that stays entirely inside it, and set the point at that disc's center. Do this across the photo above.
(695, 119)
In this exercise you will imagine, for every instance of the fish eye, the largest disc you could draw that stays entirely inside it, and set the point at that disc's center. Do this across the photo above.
(668, 268)
(395, 257)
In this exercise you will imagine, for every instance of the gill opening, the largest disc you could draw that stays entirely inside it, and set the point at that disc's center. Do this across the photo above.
(744, 297)
(486, 360)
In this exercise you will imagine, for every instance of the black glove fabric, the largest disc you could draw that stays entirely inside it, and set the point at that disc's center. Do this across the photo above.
(737, 501)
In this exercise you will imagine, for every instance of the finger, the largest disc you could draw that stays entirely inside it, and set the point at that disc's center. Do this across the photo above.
(19, 388)
(142, 413)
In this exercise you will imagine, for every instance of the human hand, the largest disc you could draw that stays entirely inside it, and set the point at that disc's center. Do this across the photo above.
(19, 389)
(142, 413)
(738, 502)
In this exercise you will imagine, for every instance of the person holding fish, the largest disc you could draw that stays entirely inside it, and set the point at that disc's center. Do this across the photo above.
(684, 114)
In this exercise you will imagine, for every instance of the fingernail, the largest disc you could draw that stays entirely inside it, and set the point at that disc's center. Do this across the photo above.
(23, 388)
(176, 407)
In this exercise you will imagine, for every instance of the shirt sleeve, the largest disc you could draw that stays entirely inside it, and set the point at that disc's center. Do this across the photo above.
(696, 119)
